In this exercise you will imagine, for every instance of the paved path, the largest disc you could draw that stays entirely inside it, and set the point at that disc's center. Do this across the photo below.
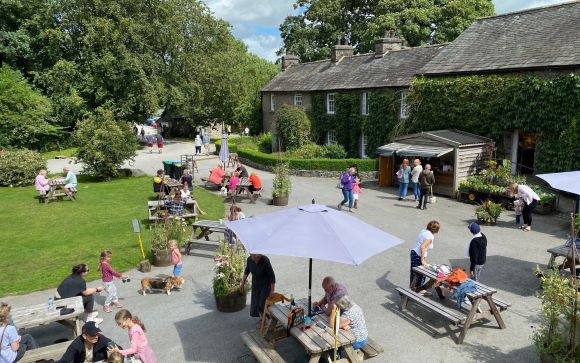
(185, 327)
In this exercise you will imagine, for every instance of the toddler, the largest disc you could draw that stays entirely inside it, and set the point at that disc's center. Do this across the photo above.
(356, 191)
(176, 258)
(518, 206)
(110, 288)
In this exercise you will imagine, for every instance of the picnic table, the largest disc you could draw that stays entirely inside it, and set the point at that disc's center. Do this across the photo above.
(207, 227)
(36, 315)
(562, 251)
(54, 194)
(317, 341)
(243, 190)
(455, 316)
(153, 206)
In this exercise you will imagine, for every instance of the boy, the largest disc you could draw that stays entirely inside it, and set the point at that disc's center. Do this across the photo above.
(518, 206)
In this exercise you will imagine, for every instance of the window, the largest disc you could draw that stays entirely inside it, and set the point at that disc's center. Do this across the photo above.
(297, 99)
(330, 138)
(404, 108)
(363, 146)
(364, 103)
(330, 108)
(272, 103)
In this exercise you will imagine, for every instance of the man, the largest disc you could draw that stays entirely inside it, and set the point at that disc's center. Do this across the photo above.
(206, 142)
(159, 183)
(242, 170)
(90, 346)
(332, 289)
(476, 251)
(41, 182)
(70, 181)
(426, 181)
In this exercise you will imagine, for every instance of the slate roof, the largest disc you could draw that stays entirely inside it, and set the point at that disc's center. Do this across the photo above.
(546, 37)
(397, 68)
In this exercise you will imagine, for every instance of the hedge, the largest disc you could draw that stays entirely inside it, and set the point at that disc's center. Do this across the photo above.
(308, 164)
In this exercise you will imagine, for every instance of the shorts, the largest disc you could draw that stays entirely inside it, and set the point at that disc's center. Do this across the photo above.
(69, 186)
(160, 145)
(355, 196)
(150, 144)
(177, 269)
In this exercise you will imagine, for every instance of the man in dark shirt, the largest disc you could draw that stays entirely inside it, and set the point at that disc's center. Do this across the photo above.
(263, 282)
(91, 340)
(477, 251)
(242, 170)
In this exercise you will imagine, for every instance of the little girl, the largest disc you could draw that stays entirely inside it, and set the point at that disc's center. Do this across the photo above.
(234, 181)
(139, 345)
(356, 191)
(110, 288)
(176, 258)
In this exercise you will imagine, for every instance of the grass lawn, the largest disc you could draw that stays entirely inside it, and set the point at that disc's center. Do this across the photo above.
(65, 152)
(40, 243)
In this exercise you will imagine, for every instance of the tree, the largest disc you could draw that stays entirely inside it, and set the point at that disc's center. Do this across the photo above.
(311, 34)
(103, 143)
(293, 126)
(25, 114)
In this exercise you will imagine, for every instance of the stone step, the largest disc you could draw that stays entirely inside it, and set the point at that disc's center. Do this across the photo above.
(200, 253)
(203, 244)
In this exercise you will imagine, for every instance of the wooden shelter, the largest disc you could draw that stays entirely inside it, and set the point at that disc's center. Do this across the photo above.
(453, 155)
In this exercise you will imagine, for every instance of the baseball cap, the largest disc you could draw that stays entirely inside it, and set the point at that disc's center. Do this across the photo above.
(474, 228)
(91, 328)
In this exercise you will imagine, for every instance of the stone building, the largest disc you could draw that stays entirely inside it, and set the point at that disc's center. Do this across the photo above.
(391, 67)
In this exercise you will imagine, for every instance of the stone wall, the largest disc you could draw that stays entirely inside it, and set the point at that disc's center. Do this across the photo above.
(365, 175)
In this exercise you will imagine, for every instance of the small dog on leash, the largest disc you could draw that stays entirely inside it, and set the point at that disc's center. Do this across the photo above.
(159, 283)
(223, 192)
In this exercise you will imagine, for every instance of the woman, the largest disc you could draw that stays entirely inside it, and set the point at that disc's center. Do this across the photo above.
(255, 183)
(187, 178)
(403, 176)
(12, 345)
(197, 143)
(185, 193)
(41, 182)
(217, 174)
(347, 181)
(423, 243)
(353, 319)
(75, 285)
(263, 283)
(530, 199)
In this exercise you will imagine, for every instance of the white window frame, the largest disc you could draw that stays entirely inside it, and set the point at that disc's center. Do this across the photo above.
(363, 145)
(364, 104)
(331, 138)
(272, 103)
(404, 113)
(298, 99)
(330, 110)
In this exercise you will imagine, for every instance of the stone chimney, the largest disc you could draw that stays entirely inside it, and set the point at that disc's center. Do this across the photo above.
(289, 60)
(388, 42)
(339, 51)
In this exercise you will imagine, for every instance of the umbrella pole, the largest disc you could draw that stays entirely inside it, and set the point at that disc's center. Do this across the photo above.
(310, 287)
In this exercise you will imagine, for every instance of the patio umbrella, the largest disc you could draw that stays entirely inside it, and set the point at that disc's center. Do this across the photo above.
(313, 231)
(224, 153)
(567, 181)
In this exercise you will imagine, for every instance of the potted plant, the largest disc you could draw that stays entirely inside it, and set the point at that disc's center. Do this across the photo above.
(229, 267)
(281, 185)
(547, 202)
(165, 231)
(488, 212)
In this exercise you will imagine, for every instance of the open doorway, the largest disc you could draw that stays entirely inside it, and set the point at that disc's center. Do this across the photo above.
(526, 152)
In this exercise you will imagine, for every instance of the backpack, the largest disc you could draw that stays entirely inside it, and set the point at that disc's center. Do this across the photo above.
(295, 317)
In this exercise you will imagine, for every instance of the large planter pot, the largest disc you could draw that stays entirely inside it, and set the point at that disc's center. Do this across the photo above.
(544, 209)
(547, 358)
(280, 201)
(233, 302)
(162, 258)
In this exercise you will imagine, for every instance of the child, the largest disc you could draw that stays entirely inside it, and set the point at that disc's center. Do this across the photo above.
(176, 258)
(234, 181)
(356, 191)
(518, 206)
(139, 345)
(160, 143)
(115, 357)
(149, 139)
(108, 274)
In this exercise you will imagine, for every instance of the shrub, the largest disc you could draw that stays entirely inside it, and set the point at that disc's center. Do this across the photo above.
(282, 185)
(307, 151)
(333, 151)
(20, 167)
(104, 144)
(308, 164)
(488, 211)
(264, 142)
(293, 126)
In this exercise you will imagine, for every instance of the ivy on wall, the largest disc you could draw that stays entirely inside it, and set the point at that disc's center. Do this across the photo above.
(348, 123)
(491, 105)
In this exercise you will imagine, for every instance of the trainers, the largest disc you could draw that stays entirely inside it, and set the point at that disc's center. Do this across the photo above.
(425, 293)
(107, 309)
(94, 314)
(98, 321)
(117, 304)
(339, 207)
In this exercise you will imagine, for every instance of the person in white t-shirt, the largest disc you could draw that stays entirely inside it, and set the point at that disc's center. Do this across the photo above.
(415, 172)
(530, 199)
(423, 243)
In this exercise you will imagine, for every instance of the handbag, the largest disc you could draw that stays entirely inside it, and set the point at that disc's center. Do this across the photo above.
(432, 198)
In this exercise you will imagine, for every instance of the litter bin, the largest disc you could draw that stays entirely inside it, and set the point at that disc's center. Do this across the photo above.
(168, 168)
(178, 168)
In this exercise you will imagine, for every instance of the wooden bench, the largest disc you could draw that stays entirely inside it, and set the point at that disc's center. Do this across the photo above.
(262, 350)
(210, 185)
(432, 305)
(54, 351)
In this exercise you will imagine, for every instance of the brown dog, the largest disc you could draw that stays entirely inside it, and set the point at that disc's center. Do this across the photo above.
(158, 283)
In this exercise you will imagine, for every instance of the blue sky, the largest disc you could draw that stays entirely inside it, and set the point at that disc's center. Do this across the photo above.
(256, 22)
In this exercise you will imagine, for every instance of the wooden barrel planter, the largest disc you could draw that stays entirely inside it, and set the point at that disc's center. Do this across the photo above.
(280, 201)
(162, 258)
(233, 302)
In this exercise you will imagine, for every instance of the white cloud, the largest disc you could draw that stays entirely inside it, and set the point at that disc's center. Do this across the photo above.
(264, 13)
(506, 6)
(264, 46)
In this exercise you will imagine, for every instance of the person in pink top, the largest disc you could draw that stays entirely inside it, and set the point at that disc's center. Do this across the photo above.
(356, 191)
(41, 182)
(139, 345)
(217, 175)
(234, 181)
(110, 288)
(176, 258)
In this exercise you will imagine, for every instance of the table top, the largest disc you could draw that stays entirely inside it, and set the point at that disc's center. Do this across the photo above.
(563, 251)
(172, 183)
(56, 182)
(244, 183)
(157, 203)
(482, 290)
(38, 314)
(205, 223)
(316, 339)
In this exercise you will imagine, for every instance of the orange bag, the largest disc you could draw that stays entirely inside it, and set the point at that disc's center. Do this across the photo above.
(455, 277)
